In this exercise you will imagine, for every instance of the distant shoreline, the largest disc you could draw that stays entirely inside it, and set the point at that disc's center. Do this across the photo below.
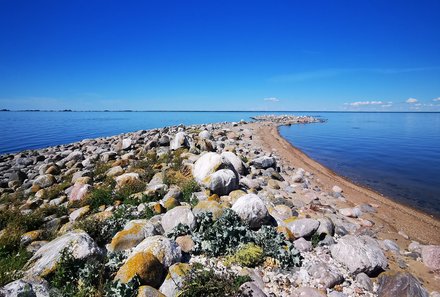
(215, 111)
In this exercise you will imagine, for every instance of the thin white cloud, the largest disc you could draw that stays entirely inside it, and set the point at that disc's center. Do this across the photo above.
(436, 99)
(411, 100)
(362, 103)
(272, 99)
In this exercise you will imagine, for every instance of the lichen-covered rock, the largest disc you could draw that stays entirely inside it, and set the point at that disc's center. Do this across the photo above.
(251, 210)
(133, 233)
(115, 171)
(174, 279)
(359, 254)
(79, 191)
(178, 215)
(79, 213)
(431, 256)
(303, 227)
(30, 236)
(400, 284)
(163, 248)
(146, 266)
(44, 181)
(44, 261)
(186, 243)
(209, 206)
(221, 182)
(147, 291)
(206, 165)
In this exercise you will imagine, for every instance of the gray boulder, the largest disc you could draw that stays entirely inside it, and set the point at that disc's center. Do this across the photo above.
(264, 162)
(180, 140)
(222, 182)
(359, 254)
(26, 287)
(252, 210)
(303, 227)
(178, 215)
(400, 284)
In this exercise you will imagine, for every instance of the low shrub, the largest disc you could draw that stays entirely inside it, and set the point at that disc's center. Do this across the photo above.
(56, 190)
(249, 255)
(100, 196)
(205, 282)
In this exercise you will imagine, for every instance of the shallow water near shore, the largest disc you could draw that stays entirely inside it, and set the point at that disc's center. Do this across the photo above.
(396, 154)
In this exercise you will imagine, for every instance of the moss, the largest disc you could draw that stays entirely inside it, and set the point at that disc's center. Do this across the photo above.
(249, 255)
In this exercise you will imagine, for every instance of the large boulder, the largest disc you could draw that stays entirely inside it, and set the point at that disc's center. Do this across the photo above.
(133, 233)
(180, 140)
(302, 227)
(148, 291)
(174, 279)
(222, 182)
(431, 256)
(206, 165)
(164, 249)
(178, 215)
(44, 261)
(263, 162)
(235, 161)
(252, 210)
(400, 284)
(359, 254)
(146, 266)
(127, 179)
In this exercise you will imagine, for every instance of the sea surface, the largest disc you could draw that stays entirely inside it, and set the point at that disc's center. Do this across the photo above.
(397, 154)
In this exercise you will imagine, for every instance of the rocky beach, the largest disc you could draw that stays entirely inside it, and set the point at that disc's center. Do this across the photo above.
(224, 209)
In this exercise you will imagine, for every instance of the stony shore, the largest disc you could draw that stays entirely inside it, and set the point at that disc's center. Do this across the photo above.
(205, 210)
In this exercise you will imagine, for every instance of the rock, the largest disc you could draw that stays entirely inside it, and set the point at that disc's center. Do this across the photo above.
(173, 192)
(26, 287)
(133, 233)
(74, 156)
(302, 245)
(298, 177)
(174, 279)
(431, 256)
(44, 261)
(165, 249)
(126, 143)
(186, 243)
(323, 276)
(326, 226)
(208, 206)
(17, 175)
(206, 165)
(30, 236)
(400, 284)
(205, 134)
(180, 140)
(222, 182)
(235, 161)
(303, 227)
(44, 181)
(115, 171)
(359, 254)
(79, 213)
(251, 289)
(336, 189)
(178, 215)
(146, 266)
(308, 292)
(390, 245)
(126, 179)
(252, 210)
(79, 191)
(147, 291)
(364, 282)
(263, 162)
(351, 212)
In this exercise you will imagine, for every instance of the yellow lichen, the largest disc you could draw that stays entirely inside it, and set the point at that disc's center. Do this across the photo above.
(249, 255)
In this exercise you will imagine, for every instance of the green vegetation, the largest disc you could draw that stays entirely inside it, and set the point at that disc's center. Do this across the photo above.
(10, 266)
(249, 255)
(100, 196)
(205, 282)
(56, 190)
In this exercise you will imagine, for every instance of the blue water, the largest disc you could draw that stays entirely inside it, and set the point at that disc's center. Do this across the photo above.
(397, 154)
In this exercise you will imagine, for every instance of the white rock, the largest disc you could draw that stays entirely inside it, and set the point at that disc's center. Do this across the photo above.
(206, 165)
(303, 227)
(264, 162)
(222, 182)
(180, 140)
(44, 261)
(252, 210)
(236, 162)
(167, 251)
(178, 215)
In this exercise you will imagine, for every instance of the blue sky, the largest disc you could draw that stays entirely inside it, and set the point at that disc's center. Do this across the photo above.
(220, 55)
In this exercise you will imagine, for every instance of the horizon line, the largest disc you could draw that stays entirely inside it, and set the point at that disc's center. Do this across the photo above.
(165, 110)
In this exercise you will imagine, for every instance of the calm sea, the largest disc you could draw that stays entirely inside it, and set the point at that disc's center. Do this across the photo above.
(398, 154)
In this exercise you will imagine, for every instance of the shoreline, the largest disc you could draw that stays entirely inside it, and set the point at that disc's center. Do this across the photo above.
(395, 216)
